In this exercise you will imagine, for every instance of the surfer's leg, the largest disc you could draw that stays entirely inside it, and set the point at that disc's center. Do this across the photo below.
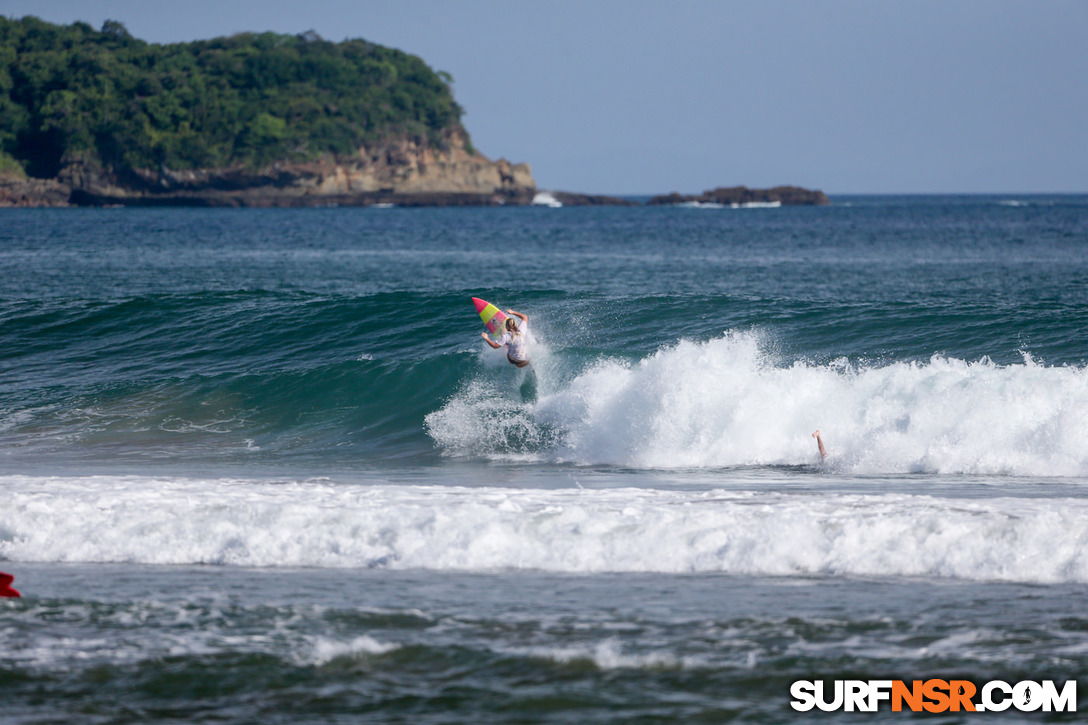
(820, 442)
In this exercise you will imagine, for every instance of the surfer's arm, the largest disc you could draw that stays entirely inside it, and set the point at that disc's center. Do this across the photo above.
(524, 318)
(494, 345)
(820, 442)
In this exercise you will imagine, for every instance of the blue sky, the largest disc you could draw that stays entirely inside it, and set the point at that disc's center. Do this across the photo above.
(633, 97)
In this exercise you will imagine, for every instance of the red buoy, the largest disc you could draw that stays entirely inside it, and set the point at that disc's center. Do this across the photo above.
(5, 586)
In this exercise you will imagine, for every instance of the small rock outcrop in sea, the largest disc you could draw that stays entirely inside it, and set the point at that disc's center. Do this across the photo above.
(568, 198)
(741, 195)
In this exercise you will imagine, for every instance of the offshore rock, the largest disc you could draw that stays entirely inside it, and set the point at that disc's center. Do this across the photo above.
(568, 198)
(785, 195)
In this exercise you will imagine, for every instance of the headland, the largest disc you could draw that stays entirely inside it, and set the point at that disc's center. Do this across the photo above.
(100, 118)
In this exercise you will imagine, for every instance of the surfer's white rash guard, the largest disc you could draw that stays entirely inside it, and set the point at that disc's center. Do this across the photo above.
(516, 342)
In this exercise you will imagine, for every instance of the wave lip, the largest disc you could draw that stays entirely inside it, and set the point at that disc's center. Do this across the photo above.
(315, 524)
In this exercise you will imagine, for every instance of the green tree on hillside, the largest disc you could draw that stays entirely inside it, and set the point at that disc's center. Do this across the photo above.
(69, 91)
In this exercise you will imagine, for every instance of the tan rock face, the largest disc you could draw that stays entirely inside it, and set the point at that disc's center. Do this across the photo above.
(399, 166)
(406, 166)
(18, 191)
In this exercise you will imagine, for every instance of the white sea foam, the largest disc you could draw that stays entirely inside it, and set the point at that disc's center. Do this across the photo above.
(757, 205)
(545, 198)
(322, 524)
(609, 655)
(700, 205)
(326, 650)
(728, 402)
(143, 630)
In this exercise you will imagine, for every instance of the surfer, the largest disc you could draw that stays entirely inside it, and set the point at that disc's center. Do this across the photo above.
(820, 442)
(514, 338)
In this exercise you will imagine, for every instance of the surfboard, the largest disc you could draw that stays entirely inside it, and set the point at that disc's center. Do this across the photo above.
(492, 316)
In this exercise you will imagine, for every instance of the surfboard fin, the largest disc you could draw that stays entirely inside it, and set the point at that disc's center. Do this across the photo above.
(5, 586)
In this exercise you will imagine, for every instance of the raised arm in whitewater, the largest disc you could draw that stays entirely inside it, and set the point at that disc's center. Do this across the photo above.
(514, 338)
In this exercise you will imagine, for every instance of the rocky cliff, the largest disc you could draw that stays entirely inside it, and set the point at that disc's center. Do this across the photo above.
(17, 190)
(403, 171)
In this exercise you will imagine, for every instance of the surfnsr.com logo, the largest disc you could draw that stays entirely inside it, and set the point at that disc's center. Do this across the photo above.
(933, 696)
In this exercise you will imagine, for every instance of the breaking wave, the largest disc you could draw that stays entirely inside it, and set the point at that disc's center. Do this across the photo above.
(729, 402)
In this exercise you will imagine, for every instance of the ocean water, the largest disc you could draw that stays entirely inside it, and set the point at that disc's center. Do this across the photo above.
(258, 465)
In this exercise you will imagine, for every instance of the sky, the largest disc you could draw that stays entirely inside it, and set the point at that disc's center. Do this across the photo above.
(640, 97)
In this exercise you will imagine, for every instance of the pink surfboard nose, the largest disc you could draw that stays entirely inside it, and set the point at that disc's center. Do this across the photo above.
(491, 315)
